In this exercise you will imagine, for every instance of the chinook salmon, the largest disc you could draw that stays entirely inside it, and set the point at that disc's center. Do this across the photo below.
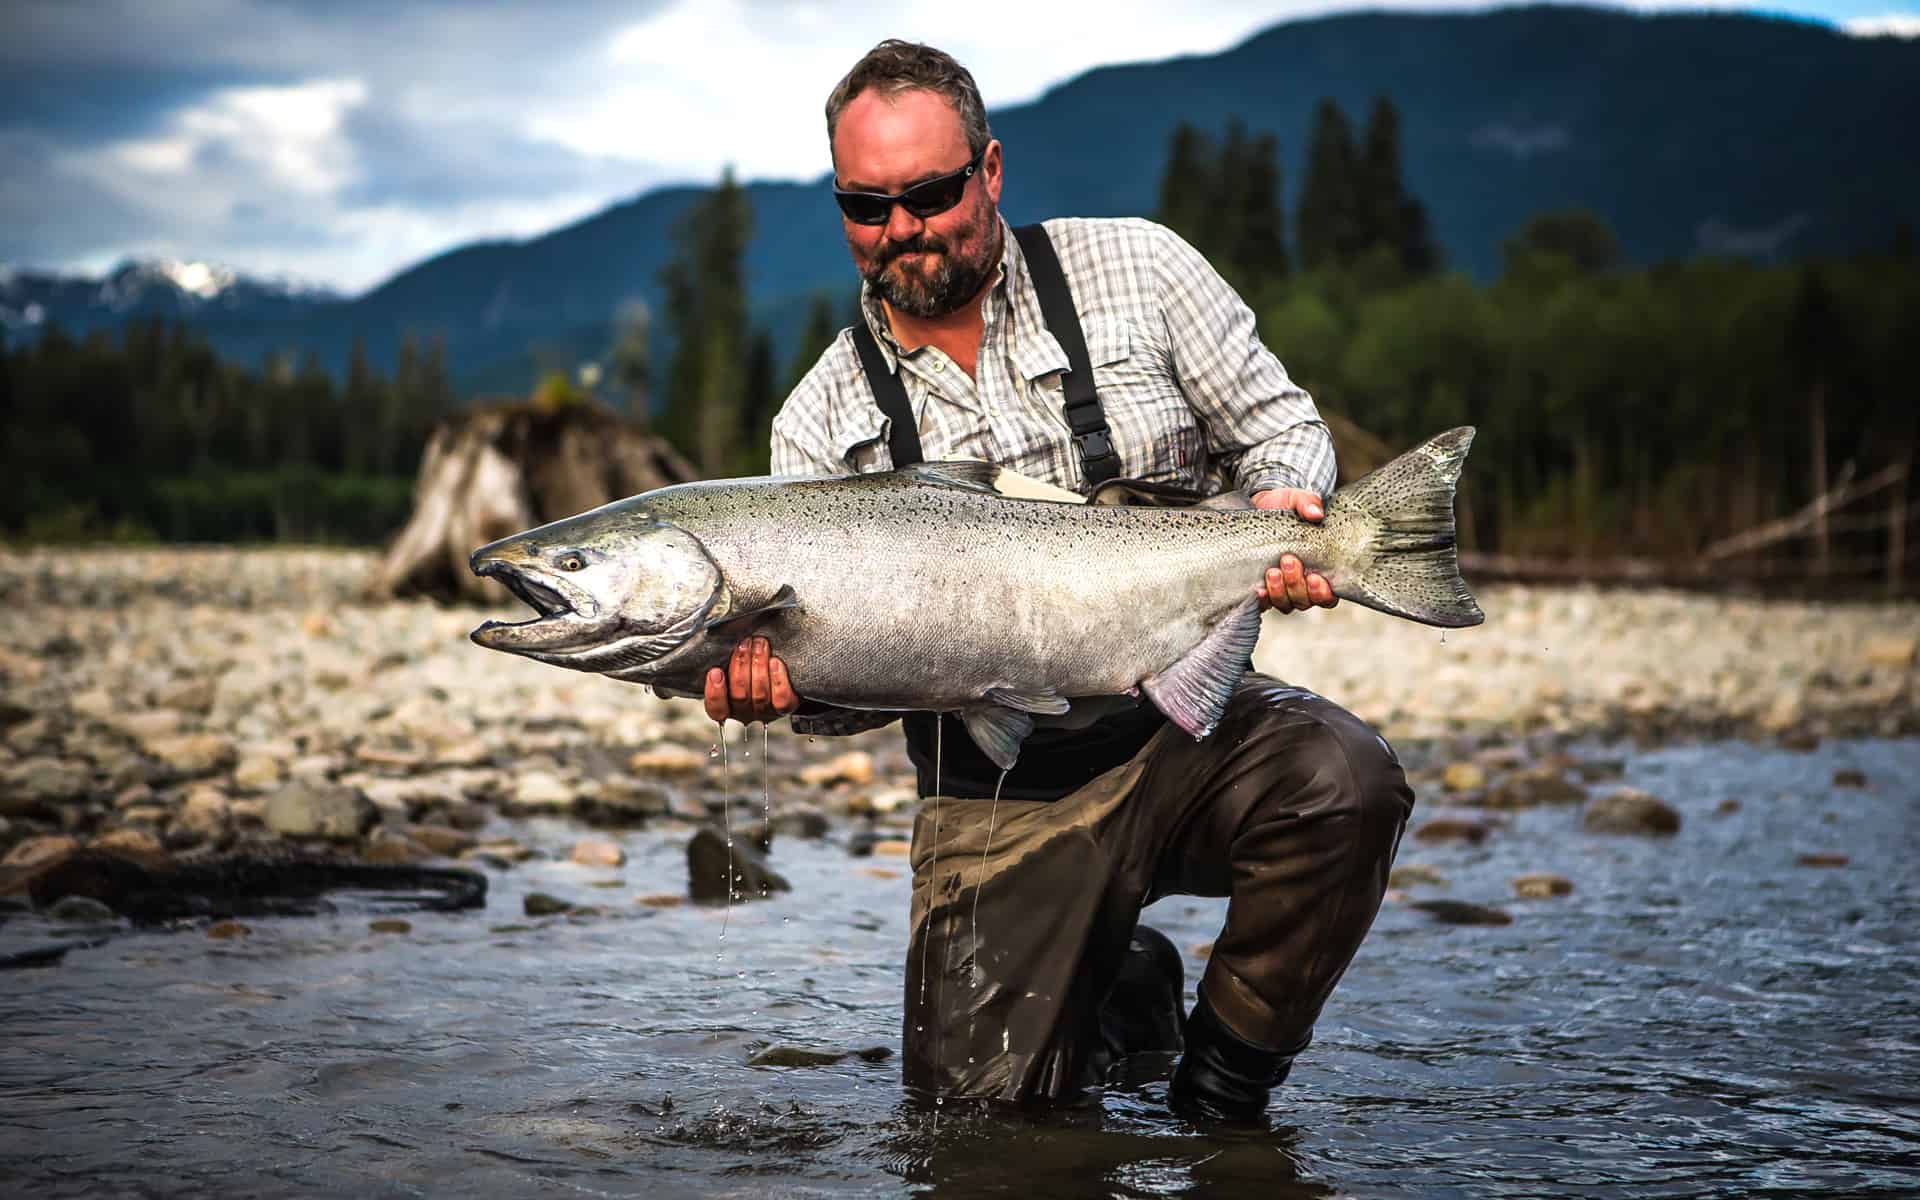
(932, 589)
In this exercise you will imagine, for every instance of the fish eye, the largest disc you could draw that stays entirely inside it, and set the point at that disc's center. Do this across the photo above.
(573, 560)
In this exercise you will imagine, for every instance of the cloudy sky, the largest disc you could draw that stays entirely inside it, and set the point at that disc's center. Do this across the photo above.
(337, 141)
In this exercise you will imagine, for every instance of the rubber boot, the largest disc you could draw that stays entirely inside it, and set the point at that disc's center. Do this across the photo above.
(1143, 1011)
(1222, 1077)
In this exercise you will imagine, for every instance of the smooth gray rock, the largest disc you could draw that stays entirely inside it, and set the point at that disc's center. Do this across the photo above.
(319, 810)
(708, 859)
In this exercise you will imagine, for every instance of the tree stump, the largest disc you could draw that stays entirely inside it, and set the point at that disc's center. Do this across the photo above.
(498, 469)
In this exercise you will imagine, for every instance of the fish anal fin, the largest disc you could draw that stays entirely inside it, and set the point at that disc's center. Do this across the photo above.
(742, 623)
(1194, 691)
(1044, 703)
(998, 731)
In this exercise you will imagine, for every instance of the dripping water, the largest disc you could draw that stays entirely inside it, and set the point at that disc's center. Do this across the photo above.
(973, 922)
(726, 809)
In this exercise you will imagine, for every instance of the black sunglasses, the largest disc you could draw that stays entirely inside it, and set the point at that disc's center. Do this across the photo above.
(923, 200)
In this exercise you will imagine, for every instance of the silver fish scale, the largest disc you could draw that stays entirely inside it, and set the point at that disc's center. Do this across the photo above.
(902, 583)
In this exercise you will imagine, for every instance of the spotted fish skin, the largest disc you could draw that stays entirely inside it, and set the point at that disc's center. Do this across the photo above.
(929, 589)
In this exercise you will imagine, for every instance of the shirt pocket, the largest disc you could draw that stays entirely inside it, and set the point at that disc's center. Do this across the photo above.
(1154, 430)
(861, 440)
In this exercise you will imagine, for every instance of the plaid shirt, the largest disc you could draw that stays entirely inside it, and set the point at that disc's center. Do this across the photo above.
(1191, 395)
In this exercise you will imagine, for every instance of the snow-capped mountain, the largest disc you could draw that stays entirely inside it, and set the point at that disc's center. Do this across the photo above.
(164, 288)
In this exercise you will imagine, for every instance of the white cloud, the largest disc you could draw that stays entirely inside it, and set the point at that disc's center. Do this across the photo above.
(1893, 24)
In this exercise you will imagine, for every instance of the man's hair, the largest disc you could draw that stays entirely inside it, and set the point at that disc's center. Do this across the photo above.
(895, 66)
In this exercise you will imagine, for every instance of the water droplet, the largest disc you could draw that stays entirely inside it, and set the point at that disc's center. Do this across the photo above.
(713, 752)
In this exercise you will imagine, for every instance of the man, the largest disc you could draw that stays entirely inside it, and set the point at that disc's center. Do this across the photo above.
(1026, 978)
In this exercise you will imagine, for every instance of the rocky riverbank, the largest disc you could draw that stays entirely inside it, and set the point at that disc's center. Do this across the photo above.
(171, 702)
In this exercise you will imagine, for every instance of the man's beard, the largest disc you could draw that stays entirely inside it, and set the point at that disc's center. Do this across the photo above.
(919, 290)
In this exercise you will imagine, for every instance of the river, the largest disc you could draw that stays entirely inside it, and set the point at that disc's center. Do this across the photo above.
(1701, 1016)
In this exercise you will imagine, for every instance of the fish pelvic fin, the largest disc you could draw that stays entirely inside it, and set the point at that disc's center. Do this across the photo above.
(1194, 691)
(1404, 512)
(998, 731)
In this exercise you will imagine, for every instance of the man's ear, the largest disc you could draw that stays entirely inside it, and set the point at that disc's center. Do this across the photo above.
(990, 168)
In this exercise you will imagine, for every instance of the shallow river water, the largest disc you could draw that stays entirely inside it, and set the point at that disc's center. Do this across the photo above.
(1701, 1016)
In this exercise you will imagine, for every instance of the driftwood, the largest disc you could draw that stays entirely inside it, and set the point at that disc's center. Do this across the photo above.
(498, 469)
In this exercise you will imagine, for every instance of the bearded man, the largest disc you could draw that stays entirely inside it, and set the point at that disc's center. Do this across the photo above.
(1106, 357)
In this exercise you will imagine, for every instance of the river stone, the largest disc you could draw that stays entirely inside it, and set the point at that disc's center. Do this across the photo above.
(192, 754)
(800, 1056)
(1408, 875)
(1532, 787)
(539, 904)
(1463, 777)
(134, 795)
(542, 790)
(1542, 885)
(319, 810)
(389, 925)
(38, 782)
(595, 852)
(226, 930)
(80, 910)
(189, 695)
(205, 812)
(854, 767)
(1821, 858)
(150, 815)
(707, 859)
(667, 759)
(257, 773)
(1459, 912)
(23, 668)
(1890, 651)
(801, 823)
(1850, 777)
(1451, 829)
(389, 848)
(442, 839)
(1599, 770)
(135, 846)
(25, 737)
(1630, 810)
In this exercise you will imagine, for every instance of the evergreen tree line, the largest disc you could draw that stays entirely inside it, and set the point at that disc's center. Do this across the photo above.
(152, 435)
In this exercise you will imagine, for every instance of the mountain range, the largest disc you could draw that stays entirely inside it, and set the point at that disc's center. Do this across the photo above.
(1688, 133)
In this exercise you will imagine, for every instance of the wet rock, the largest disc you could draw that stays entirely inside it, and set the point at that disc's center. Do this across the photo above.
(542, 791)
(1822, 859)
(1463, 777)
(1630, 810)
(80, 910)
(387, 847)
(854, 767)
(1533, 787)
(879, 873)
(539, 904)
(708, 858)
(37, 783)
(1408, 875)
(205, 813)
(1542, 885)
(660, 900)
(40, 851)
(1451, 829)
(1805, 741)
(319, 810)
(1459, 912)
(666, 760)
(503, 850)
(893, 847)
(227, 930)
(800, 1056)
(148, 816)
(441, 839)
(627, 803)
(192, 754)
(1726, 807)
(1599, 770)
(1850, 777)
(390, 925)
(860, 842)
(135, 846)
(597, 853)
(801, 823)
(258, 773)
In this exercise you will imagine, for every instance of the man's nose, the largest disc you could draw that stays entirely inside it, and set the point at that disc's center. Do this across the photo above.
(902, 224)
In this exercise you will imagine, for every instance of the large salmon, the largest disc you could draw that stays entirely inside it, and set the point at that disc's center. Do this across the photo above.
(931, 589)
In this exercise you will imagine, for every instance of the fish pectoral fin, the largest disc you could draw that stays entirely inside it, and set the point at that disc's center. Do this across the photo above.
(998, 731)
(1043, 703)
(1194, 691)
(741, 624)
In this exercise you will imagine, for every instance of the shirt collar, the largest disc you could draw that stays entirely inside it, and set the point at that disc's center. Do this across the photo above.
(1035, 351)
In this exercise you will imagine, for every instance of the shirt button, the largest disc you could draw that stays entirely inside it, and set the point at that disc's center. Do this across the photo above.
(938, 366)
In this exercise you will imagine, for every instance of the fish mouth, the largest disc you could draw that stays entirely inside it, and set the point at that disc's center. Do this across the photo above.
(553, 603)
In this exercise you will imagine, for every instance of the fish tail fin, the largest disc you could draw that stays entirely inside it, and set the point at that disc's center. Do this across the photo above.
(1413, 566)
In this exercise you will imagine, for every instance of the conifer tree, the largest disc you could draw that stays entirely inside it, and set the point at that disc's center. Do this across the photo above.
(1260, 257)
(1389, 215)
(706, 298)
(1329, 232)
(1189, 186)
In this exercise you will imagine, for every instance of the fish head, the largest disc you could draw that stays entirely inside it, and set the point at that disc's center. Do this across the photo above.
(612, 589)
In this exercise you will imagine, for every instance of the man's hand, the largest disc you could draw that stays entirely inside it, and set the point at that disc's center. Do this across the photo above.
(1290, 585)
(753, 687)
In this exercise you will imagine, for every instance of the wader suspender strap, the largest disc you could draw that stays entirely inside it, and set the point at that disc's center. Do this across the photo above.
(903, 434)
(1091, 437)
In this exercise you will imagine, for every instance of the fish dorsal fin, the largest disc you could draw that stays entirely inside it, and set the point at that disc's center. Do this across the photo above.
(1046, 703)
(998, 731)
(740, 624)
(968, 474)
(1194, 691)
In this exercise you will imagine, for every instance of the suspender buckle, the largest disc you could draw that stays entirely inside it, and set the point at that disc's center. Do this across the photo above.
(1093, 444)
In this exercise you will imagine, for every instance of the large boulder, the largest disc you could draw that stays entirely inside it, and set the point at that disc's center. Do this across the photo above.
(1630, 810)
